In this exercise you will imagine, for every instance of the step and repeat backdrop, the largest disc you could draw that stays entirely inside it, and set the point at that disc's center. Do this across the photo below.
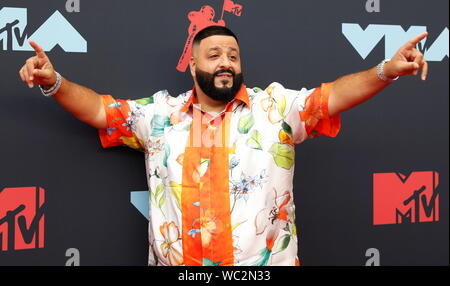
(377, 194)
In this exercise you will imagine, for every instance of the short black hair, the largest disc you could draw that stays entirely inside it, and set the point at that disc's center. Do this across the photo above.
(213, 31)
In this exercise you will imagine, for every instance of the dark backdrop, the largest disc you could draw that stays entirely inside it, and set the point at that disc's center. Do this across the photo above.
(133, 48)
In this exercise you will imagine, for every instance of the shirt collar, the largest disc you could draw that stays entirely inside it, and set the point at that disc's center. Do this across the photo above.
(242, 95)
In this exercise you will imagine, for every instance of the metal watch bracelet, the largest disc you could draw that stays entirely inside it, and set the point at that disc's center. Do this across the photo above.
(54, 89)
(380, 72)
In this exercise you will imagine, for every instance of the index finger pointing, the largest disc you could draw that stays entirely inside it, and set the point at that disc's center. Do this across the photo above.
(414, 41)
(39, 51)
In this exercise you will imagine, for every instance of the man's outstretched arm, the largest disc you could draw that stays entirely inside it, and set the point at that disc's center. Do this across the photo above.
(351, 90)
(84, 103)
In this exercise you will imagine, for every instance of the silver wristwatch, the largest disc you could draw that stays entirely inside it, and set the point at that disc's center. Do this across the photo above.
(54, 89)
(380, 72)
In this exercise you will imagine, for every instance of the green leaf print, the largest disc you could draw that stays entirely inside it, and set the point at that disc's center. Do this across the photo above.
(162, 200)
(145, 101)
(287, 128)
(246, 122)
(294, 229)
(255, 140)
(283, 154)
(236, 225)
(281, 105)
(283, 243)
(166, 154)
(176, 192)
(158, 124)
(159, 190)
(152, 198)
(209, 262)
(257, 89)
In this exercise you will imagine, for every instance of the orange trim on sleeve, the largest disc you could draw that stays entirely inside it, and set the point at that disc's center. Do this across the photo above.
(115, 117)
(316, 116)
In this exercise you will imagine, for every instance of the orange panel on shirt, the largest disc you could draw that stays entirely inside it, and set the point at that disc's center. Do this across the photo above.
(206, 221)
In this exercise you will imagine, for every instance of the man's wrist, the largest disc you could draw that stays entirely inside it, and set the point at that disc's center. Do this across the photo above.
(47, 87)
(383, 72)
(52, 90)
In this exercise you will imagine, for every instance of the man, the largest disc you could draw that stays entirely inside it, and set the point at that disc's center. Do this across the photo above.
(220, 158)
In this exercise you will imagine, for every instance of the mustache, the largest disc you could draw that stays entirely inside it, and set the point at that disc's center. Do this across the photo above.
(224, 71)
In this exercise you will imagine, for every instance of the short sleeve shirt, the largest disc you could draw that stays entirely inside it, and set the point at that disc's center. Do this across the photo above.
(221, 187)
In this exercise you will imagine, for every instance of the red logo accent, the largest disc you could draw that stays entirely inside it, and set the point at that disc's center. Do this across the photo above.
(405, 199)
(201, 19)
(21, 218)
(229, 6)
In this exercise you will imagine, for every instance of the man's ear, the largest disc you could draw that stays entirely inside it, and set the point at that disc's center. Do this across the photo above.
(192, 66)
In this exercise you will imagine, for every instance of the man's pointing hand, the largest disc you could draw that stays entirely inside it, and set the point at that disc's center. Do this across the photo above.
(38, 69)
(408, 60)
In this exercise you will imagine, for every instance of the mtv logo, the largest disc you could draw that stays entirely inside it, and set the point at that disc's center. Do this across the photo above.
(56, 30)
(405, 199)
(21, 218)
(365, 40)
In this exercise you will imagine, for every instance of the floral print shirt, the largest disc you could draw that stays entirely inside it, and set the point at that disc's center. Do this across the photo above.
(221, 185)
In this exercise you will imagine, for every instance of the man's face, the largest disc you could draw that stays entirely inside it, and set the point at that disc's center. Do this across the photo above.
(216, 67)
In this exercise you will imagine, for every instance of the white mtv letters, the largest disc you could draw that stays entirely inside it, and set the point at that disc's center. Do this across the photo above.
(55, 31)
(364, 41)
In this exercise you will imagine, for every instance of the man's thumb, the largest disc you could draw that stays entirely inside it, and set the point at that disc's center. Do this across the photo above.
(408, 67)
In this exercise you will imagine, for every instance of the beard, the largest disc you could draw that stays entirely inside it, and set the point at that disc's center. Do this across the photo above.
(224, 94)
